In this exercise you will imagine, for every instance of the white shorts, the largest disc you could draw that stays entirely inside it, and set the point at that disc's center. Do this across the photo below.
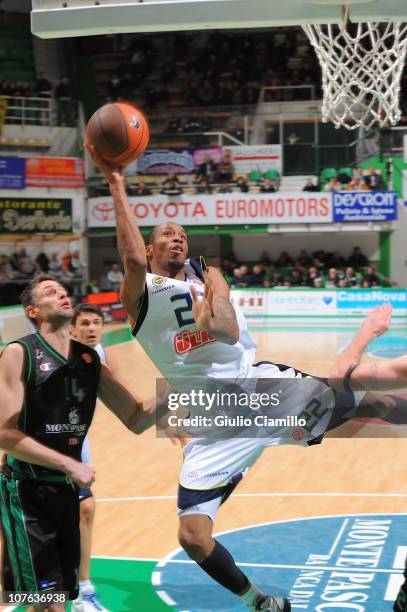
(211, 465)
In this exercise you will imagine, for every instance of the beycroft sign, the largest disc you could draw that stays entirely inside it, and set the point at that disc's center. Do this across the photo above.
(365, 206)
(219, 209)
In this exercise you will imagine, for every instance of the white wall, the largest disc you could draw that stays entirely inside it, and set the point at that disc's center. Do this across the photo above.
(248, 247)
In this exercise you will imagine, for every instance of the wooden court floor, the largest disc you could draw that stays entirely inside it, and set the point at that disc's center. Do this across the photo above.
(136, 476)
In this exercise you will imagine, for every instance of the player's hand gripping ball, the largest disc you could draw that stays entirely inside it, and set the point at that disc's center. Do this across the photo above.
(119, 132)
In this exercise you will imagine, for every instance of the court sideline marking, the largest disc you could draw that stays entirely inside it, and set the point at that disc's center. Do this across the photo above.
(104, 500)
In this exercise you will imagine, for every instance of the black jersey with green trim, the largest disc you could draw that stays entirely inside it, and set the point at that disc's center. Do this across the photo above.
(59, 399)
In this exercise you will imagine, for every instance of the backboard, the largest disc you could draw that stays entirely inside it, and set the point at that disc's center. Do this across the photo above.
(66, 18)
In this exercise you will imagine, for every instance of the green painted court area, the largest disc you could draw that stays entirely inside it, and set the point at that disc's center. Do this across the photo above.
(124, 585)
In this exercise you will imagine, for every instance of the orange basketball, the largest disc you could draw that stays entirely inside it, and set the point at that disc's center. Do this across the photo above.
(119, 132)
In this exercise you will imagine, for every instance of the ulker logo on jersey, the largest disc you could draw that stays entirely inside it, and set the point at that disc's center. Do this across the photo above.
(158, 280)
(190, 340)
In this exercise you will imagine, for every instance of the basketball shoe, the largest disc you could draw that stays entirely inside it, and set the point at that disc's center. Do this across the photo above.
(88, 603)
(271, 604)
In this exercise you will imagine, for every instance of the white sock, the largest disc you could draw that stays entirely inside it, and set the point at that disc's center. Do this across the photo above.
(85, 587)
(251, 595)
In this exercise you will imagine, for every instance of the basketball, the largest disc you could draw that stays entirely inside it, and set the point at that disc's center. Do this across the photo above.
(119, 132)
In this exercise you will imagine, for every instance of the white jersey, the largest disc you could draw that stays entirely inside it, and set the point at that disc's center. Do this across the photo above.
(101, 352)
(167, 332)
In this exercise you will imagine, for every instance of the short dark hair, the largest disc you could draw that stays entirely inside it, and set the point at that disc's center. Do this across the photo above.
(27, 296)
(149, 238)
(92, 308)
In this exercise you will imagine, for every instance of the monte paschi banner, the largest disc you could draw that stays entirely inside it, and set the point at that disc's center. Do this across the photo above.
(35, 215)
(218, 209)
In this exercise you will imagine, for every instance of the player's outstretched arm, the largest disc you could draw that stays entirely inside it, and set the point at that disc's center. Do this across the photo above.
(14, 441)
(136, 415)
(129, 239)
(215, 313)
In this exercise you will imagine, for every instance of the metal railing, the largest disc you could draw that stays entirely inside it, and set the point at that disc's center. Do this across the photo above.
(39, 110)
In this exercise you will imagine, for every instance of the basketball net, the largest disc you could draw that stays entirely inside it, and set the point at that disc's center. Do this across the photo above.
(362, 66)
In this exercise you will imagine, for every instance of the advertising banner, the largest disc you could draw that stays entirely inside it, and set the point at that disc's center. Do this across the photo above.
(219, 209)
(358, 301)
(405, 187)
(263, 303)
(12, 172)
(54, 172)
(364, 206)
(253, 157)
(163, 161)
(35, 215)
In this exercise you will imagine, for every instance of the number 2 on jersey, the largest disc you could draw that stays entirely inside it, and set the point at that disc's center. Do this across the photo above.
(180, 311)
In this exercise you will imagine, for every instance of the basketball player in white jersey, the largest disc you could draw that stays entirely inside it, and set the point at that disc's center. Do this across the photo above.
(87, 328)
(186, 337)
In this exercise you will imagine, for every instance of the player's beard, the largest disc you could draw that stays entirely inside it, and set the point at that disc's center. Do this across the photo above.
(175, 265)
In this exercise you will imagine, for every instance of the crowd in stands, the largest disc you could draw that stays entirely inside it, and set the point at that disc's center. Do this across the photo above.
(210, 178)
(220, 68)
(319, 270)
(42, 88)
(20, 267)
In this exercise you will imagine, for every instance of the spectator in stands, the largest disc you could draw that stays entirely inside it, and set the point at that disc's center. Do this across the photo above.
(357, 184)
(43, 86)
(344, 178)
(55, 266)
(228, 266)
(171, 188)
(115, 277)
(257, 276)
(238, 280)
(42, 260)
(267, 186)
(7, 267)
(204, 186)
(283, 260)
(318, 283)
(333, 185)
(25, 260)
(78, 265)
(265, 259)
(63, 97)
(304, 259)
(172, 177)
(374, 180)
(276, 280)
(295, 278)
(357, 259)
(312, 275)
(332, 279)
(241, 184)
(350, 277)
(141, 189)
(310, 185)
(44, 89)
(371, 278)
(226, 168)
(206, 170)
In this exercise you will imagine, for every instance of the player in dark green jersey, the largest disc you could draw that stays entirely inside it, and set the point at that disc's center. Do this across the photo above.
(48, 389)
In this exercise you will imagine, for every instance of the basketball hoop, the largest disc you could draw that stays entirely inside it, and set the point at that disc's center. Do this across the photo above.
(362, 66)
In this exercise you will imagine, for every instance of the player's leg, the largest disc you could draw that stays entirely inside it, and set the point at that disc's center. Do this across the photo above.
(87, 508)
(87, 600)
(197, 510)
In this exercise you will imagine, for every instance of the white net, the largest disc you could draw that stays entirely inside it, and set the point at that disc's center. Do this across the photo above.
(362, 66)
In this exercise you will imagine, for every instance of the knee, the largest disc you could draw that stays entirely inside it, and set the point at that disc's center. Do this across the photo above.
(87, 510)
(196, 542)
